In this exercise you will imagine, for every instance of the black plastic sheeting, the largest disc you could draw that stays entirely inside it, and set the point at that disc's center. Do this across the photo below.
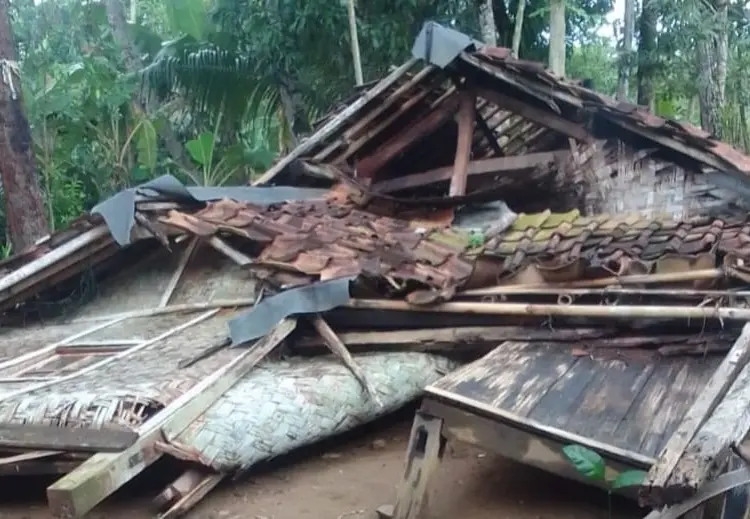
(118, 211)
(440, 45)
(309, 299)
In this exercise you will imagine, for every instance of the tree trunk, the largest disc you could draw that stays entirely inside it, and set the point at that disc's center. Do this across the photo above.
(133, 63)
(711, 53)
(24, 204)
(647, 54)
(518, 28)
(487, 22)
(626, 51)
(557, 37)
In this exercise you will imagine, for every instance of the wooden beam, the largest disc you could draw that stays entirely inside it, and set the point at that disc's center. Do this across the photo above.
(708, 453)
(466, 115)
(544, 118)
(177, 275)
(660, 475)
(403, 140)
(77, 493)
(336, 123)
(489, 135)
(706, 158)
(356, 129)
(457, 338)
(371, 133)
(79, 439)
(475, 167)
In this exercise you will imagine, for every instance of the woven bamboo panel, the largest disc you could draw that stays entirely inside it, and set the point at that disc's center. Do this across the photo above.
(129, 389)
(281, 406)
(17, 341)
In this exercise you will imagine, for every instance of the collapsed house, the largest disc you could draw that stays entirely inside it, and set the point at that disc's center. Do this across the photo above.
(588, 258)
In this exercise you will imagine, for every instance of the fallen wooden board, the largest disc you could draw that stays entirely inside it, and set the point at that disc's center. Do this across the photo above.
(709, 451)
(54, 438)
(652, 493)
(77, 493)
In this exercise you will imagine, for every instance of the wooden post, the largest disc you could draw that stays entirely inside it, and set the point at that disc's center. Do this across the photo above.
(466, 116)
(426, 446)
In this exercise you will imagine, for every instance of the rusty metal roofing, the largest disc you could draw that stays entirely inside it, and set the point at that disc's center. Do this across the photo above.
(328, 240)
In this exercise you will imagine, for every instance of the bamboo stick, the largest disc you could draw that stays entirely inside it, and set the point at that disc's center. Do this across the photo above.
(671, 277)
(181, 266)
(656, 312)
(552, 291)
(339, 349)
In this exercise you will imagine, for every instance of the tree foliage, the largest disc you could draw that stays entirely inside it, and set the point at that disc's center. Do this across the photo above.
(239, 81)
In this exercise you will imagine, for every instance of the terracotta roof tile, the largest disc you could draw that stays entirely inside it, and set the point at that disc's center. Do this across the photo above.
(334, 240)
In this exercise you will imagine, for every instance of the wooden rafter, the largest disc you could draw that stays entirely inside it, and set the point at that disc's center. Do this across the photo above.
(466, 115)
(476, 167)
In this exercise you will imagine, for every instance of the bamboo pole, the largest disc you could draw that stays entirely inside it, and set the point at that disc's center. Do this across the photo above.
(676, 292)
(670, 277)
(654, 312)
(356, 57)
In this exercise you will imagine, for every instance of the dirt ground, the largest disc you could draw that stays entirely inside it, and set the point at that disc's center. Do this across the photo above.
(348, 478)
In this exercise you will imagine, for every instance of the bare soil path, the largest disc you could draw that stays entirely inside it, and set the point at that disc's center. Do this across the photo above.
(348, 478)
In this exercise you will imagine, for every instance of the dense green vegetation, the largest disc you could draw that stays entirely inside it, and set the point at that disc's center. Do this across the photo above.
(213, 90)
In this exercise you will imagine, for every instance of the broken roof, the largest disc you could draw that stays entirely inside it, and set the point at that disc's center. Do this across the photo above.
(401, 133)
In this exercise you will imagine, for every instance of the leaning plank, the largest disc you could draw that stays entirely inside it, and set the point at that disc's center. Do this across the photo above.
(177, 275)
(28, 436)
(336, 123)
(52, 257)
(466, 112)
(81, 490)
(711, 447)
(339, 349)
(536, 115)
(408, 137)
(475, 167)
(653, 491)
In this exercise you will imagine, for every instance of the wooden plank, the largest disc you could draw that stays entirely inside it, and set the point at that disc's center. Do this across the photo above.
(354, 132)
(563, 436)
(520, 444)
(335, 124)
(608, 398)
(548, 119)
(403, 140)
(52, 257)
(78, 439)
(475, 167)
(557, 406)
(466, 115)
(457, 338)
(81, 490)
(703, 406)
(710, 449)
(193, 497)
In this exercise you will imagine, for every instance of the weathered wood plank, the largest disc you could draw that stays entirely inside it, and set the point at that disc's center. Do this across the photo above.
(558, 405)
(475, 167)
(81, 490)
(710, 449)
(704, 405)
(466, 115)
(79, 439)
(561, 435)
